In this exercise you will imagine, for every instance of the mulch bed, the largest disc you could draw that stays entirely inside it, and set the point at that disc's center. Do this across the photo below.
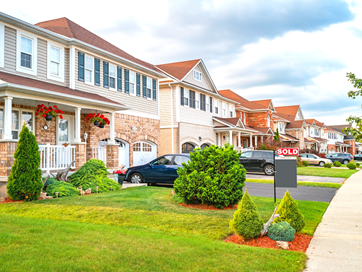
(300, 242)
(8, 200)
(207, 207)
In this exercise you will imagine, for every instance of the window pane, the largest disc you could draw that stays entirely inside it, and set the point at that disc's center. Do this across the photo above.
(54, 69)
(166, 160)
(149, 83)
(112, 82)
(55, 54)
(26, 45)
(15, 134)
(25, 60)
(1, 119)
(180, 159)
(88, 76)
(88, 63)
(112, 71)
(147, 147)
(148, 93)
(137, 147)
(132, 77)
(27, 117)
(63, 130)
(15, 120)
(131, 88)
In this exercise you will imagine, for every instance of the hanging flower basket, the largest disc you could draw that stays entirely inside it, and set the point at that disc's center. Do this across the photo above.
(97, 119)
(101, 125)
(96, 123)
(49, 112)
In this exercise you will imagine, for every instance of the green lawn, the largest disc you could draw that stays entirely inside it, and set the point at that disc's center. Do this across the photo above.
(300, 183)
(325, 172)
(132, 230)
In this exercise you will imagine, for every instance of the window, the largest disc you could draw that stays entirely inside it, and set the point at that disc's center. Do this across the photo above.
(244, 118)
(224, 109)
(54, 61)
(197, 101)
(88, 69)
(186, 97)
(26, 59)
(203, 146)
(26, 52)
(316, 132)
(197, 75)
(180, 159)
(149, 87)
(165, 160)
(207, 104)
(216, 107)
(18, 118)
(132, 82)
(281, 127)
(187, 148)
(112, 76)
(27, 118)
(231, 114)
(246, 155)
(268, 121)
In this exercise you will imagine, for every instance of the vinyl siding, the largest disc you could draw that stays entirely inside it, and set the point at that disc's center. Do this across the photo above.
(203, 84)
(166, 106)
(10, 50)
(137, 103)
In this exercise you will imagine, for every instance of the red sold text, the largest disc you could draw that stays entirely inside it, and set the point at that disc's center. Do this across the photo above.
(288, 151)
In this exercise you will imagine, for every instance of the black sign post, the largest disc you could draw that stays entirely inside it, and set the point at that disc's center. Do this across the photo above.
(275, 188)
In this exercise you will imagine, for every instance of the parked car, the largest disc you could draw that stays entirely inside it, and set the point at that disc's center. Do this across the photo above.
(358, 157)
(343, 158)
(160, 170)
(314, 159)
(258, 161)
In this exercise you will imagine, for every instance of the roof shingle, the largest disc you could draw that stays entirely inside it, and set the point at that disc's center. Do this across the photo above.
(178, 69)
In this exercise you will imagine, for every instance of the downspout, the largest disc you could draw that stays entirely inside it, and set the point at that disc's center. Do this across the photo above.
(172, 144)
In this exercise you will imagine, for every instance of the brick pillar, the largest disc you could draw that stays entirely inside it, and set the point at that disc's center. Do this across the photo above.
(80, 156)
(112, 155)
(7, 150)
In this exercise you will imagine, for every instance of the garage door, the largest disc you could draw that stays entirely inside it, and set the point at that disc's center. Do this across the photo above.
(144, 152)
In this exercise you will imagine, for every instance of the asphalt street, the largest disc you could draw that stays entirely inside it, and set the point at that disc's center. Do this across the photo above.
(299, 178)
(319, 194)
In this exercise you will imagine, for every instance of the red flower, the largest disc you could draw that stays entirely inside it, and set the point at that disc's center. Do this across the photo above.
(50, 108)
(97, 115)
(41, 110)
(36, 114)
(55, 106)
(93, 114)
(102, 116)
(44, 115)
(61, 116)
(61, 111)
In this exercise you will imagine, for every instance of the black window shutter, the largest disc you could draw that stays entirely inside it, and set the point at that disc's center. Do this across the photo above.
(80, 66)
(119, 79)
(193, 100)
(126, 81)
(105, 74)
(97, 69)
(190, 94)
(154, 89)
(144, 86)
(138, 84)
(182, 96)
(204, 102)
(210, 104)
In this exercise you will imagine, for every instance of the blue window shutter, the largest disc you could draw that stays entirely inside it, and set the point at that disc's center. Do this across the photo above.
(210, 104)
(80, 66)
(182, 96)
(138, 85)
(126, 81)
(154, 96)
(97, 69)
(119, 79)
(144, 86)
(105, 74)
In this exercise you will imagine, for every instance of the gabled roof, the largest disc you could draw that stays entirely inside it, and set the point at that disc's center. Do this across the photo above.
(288, 138)
(178, 69)
(264, 130)
(288, 112)
(68, 28)
(253, 105)
(332, 129)
(295, 124)
(314, 122)
(340, 127)
(278, 118)
(233, 122)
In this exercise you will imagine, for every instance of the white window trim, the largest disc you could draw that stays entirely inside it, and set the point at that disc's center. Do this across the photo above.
(2, 45)
(151, 93)
(61, 64)
(20, 118)
(92, 73)
(115, 76)
(19, 68)
(198, 73)
(135, 84)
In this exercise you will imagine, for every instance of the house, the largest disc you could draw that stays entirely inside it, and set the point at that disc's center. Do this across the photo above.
(194, 114)
(346, 143)
(60, 63)
(315, 134)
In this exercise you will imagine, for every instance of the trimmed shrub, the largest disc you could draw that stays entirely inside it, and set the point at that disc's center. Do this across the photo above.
(289, 212)
(357, 164)
(246, 222)
(327, 165)
(25, 176)
(351, 165)
(337, 164)
(65, 189)
(92, 174)
(281, 231)
(305, 163)
(212, 176)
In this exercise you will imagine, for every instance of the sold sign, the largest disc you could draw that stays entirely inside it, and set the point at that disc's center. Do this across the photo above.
(288, 151)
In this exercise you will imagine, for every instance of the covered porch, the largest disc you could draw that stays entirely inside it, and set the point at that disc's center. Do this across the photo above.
(342, 147)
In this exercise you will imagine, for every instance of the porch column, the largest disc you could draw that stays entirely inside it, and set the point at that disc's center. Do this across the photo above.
(77, 138)
(231, 137)
(251, 140)
(7, 118)
(261, 139)
(256, 141)
(239, 140)
(111, 128)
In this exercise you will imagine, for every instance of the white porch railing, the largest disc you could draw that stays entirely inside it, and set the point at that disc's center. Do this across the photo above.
(56, 157)
(242, 149)
(99, 153)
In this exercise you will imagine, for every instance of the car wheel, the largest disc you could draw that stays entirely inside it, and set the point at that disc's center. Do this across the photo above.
(269, 170)
(321, 164)
(345, 162)
(136, 178)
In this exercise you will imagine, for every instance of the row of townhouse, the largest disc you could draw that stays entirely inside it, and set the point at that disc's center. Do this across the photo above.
(153, 109)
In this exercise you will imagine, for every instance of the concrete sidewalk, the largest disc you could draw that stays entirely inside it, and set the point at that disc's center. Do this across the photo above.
(337, 242)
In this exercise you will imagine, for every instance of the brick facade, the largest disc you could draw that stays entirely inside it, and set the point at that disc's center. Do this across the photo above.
(80, 156)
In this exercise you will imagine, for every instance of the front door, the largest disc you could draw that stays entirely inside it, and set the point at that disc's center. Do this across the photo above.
(65, 129)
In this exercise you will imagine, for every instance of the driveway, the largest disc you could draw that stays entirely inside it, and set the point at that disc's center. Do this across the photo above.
(299, 178)
(318, 194)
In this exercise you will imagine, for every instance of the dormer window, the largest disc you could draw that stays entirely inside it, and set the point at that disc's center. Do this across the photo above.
(197, 75)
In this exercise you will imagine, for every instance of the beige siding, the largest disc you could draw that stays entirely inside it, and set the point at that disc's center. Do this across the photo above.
(66, 66)
(204, 83)
(139, 104)
(10, 50)
(42, 59)
(165, 107)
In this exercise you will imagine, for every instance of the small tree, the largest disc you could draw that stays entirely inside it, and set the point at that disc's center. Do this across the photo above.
(276, 135)
(25, 176)
(289, 212)
(246, 222)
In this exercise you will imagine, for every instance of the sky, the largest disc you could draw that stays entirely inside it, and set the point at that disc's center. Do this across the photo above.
(295, 52)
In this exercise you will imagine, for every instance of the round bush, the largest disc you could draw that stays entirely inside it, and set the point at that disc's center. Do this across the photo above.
(305, 163)
(246, 222)
(289, 212)
(327, 165)
(357, 164)
(351, 165)
(337, 164)
(282, 231)
(63, 188)
(212, 176)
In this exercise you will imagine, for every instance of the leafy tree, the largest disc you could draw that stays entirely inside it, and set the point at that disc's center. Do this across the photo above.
(25, 176)
(355, 121)
(276, 135)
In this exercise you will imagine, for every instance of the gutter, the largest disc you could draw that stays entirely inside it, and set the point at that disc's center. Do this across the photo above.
(172, 119)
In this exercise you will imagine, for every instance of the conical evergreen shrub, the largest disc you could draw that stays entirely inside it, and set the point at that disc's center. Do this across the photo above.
(289, 212)
(246, 222)
(25, 176)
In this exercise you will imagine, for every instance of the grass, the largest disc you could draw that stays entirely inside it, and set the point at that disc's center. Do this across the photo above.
(300, 183)
(137, 229)
(325, 172)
